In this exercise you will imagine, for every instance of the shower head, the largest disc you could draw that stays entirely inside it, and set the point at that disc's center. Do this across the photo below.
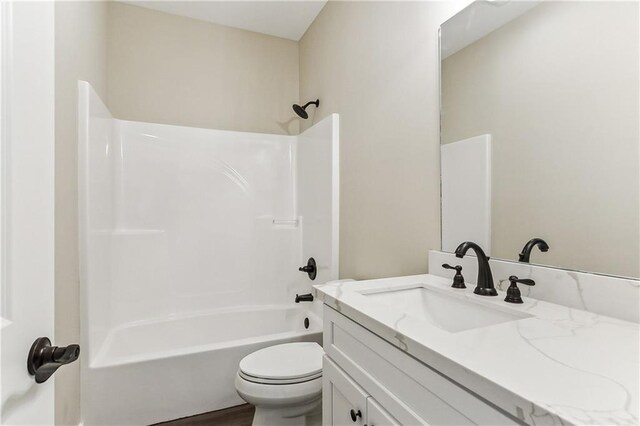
(301, 110)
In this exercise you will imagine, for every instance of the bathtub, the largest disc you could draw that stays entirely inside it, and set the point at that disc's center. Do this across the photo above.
(152, 371)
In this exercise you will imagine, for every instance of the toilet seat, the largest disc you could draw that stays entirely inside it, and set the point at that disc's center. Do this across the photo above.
(288, 363)
(262, 380)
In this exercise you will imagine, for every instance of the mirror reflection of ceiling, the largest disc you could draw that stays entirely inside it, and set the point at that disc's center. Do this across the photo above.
(286, 19)
(555, 88)
(477, 20)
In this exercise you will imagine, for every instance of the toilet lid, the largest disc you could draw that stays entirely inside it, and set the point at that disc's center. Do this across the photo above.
(284, 362)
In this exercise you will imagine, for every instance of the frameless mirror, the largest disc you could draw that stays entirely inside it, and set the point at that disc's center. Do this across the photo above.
(540, 132)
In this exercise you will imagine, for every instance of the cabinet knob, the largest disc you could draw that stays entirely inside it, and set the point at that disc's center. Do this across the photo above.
(355, 414)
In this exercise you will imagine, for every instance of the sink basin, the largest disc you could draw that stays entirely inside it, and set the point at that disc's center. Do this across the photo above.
(447, 312)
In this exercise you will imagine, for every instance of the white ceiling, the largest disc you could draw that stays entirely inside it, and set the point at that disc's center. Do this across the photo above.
(287, 19)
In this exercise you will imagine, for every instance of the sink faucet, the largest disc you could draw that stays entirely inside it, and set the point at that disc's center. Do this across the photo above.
(526, 251)
(484, 284)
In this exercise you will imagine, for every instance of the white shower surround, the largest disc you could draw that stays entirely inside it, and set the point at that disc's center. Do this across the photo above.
(190, 240)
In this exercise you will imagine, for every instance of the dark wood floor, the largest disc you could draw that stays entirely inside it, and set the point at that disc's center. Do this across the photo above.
(241, 415)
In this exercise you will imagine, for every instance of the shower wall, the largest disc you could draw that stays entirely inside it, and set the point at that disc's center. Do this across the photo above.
(318, 180)
(96, 215)
(179, 221)
(194, 214)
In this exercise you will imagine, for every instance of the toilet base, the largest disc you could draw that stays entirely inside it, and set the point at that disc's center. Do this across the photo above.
(309, 414)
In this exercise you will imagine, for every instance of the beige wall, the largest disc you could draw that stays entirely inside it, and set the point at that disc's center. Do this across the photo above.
(80, 55)
(376, 63)
(558, 90)
(169, 69)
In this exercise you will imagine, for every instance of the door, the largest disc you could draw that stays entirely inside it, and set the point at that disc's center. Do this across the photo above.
(344, 403)
(26, 205)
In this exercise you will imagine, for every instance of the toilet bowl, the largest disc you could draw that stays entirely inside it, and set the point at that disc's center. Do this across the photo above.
(284, 383)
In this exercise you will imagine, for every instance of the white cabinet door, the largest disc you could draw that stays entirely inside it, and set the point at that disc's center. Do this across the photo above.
(26, 205)
(344, 403)
(378, 416)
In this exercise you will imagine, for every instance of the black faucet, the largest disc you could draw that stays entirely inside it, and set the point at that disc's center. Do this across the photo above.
(526, 250)
(484, 284)
(304, 297)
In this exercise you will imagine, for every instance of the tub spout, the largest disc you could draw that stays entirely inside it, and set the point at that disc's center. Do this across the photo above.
(304, 297)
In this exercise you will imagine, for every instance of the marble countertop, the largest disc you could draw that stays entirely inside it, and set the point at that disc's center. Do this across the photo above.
(557, 366)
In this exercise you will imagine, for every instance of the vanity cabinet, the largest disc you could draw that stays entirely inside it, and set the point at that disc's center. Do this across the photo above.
(346, 403)
(384, 385)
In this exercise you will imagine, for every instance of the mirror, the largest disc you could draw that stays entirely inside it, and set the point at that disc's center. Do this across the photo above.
(540, 132)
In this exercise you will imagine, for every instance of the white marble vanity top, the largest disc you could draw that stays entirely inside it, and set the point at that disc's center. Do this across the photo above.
(557, 366)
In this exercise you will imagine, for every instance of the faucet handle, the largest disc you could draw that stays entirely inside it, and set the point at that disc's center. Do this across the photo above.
(513, 292)
(526, 281)
(458, 279)
(310, 268)
(458, 268)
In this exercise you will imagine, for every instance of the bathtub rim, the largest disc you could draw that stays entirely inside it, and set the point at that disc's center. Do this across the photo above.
(98, 362)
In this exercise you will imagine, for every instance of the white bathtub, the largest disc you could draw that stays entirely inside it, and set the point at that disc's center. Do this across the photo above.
(151, 371)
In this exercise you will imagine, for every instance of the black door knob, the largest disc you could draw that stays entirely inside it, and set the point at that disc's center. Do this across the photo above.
(355, 414)
(43, 359)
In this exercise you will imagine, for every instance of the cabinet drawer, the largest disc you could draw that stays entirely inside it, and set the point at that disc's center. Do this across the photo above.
(341, 397)
(409, 390)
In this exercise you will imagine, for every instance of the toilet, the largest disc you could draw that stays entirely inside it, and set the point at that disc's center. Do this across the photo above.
(284, 383)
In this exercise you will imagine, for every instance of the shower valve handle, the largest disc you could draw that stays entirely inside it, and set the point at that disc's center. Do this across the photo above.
(310, 268)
